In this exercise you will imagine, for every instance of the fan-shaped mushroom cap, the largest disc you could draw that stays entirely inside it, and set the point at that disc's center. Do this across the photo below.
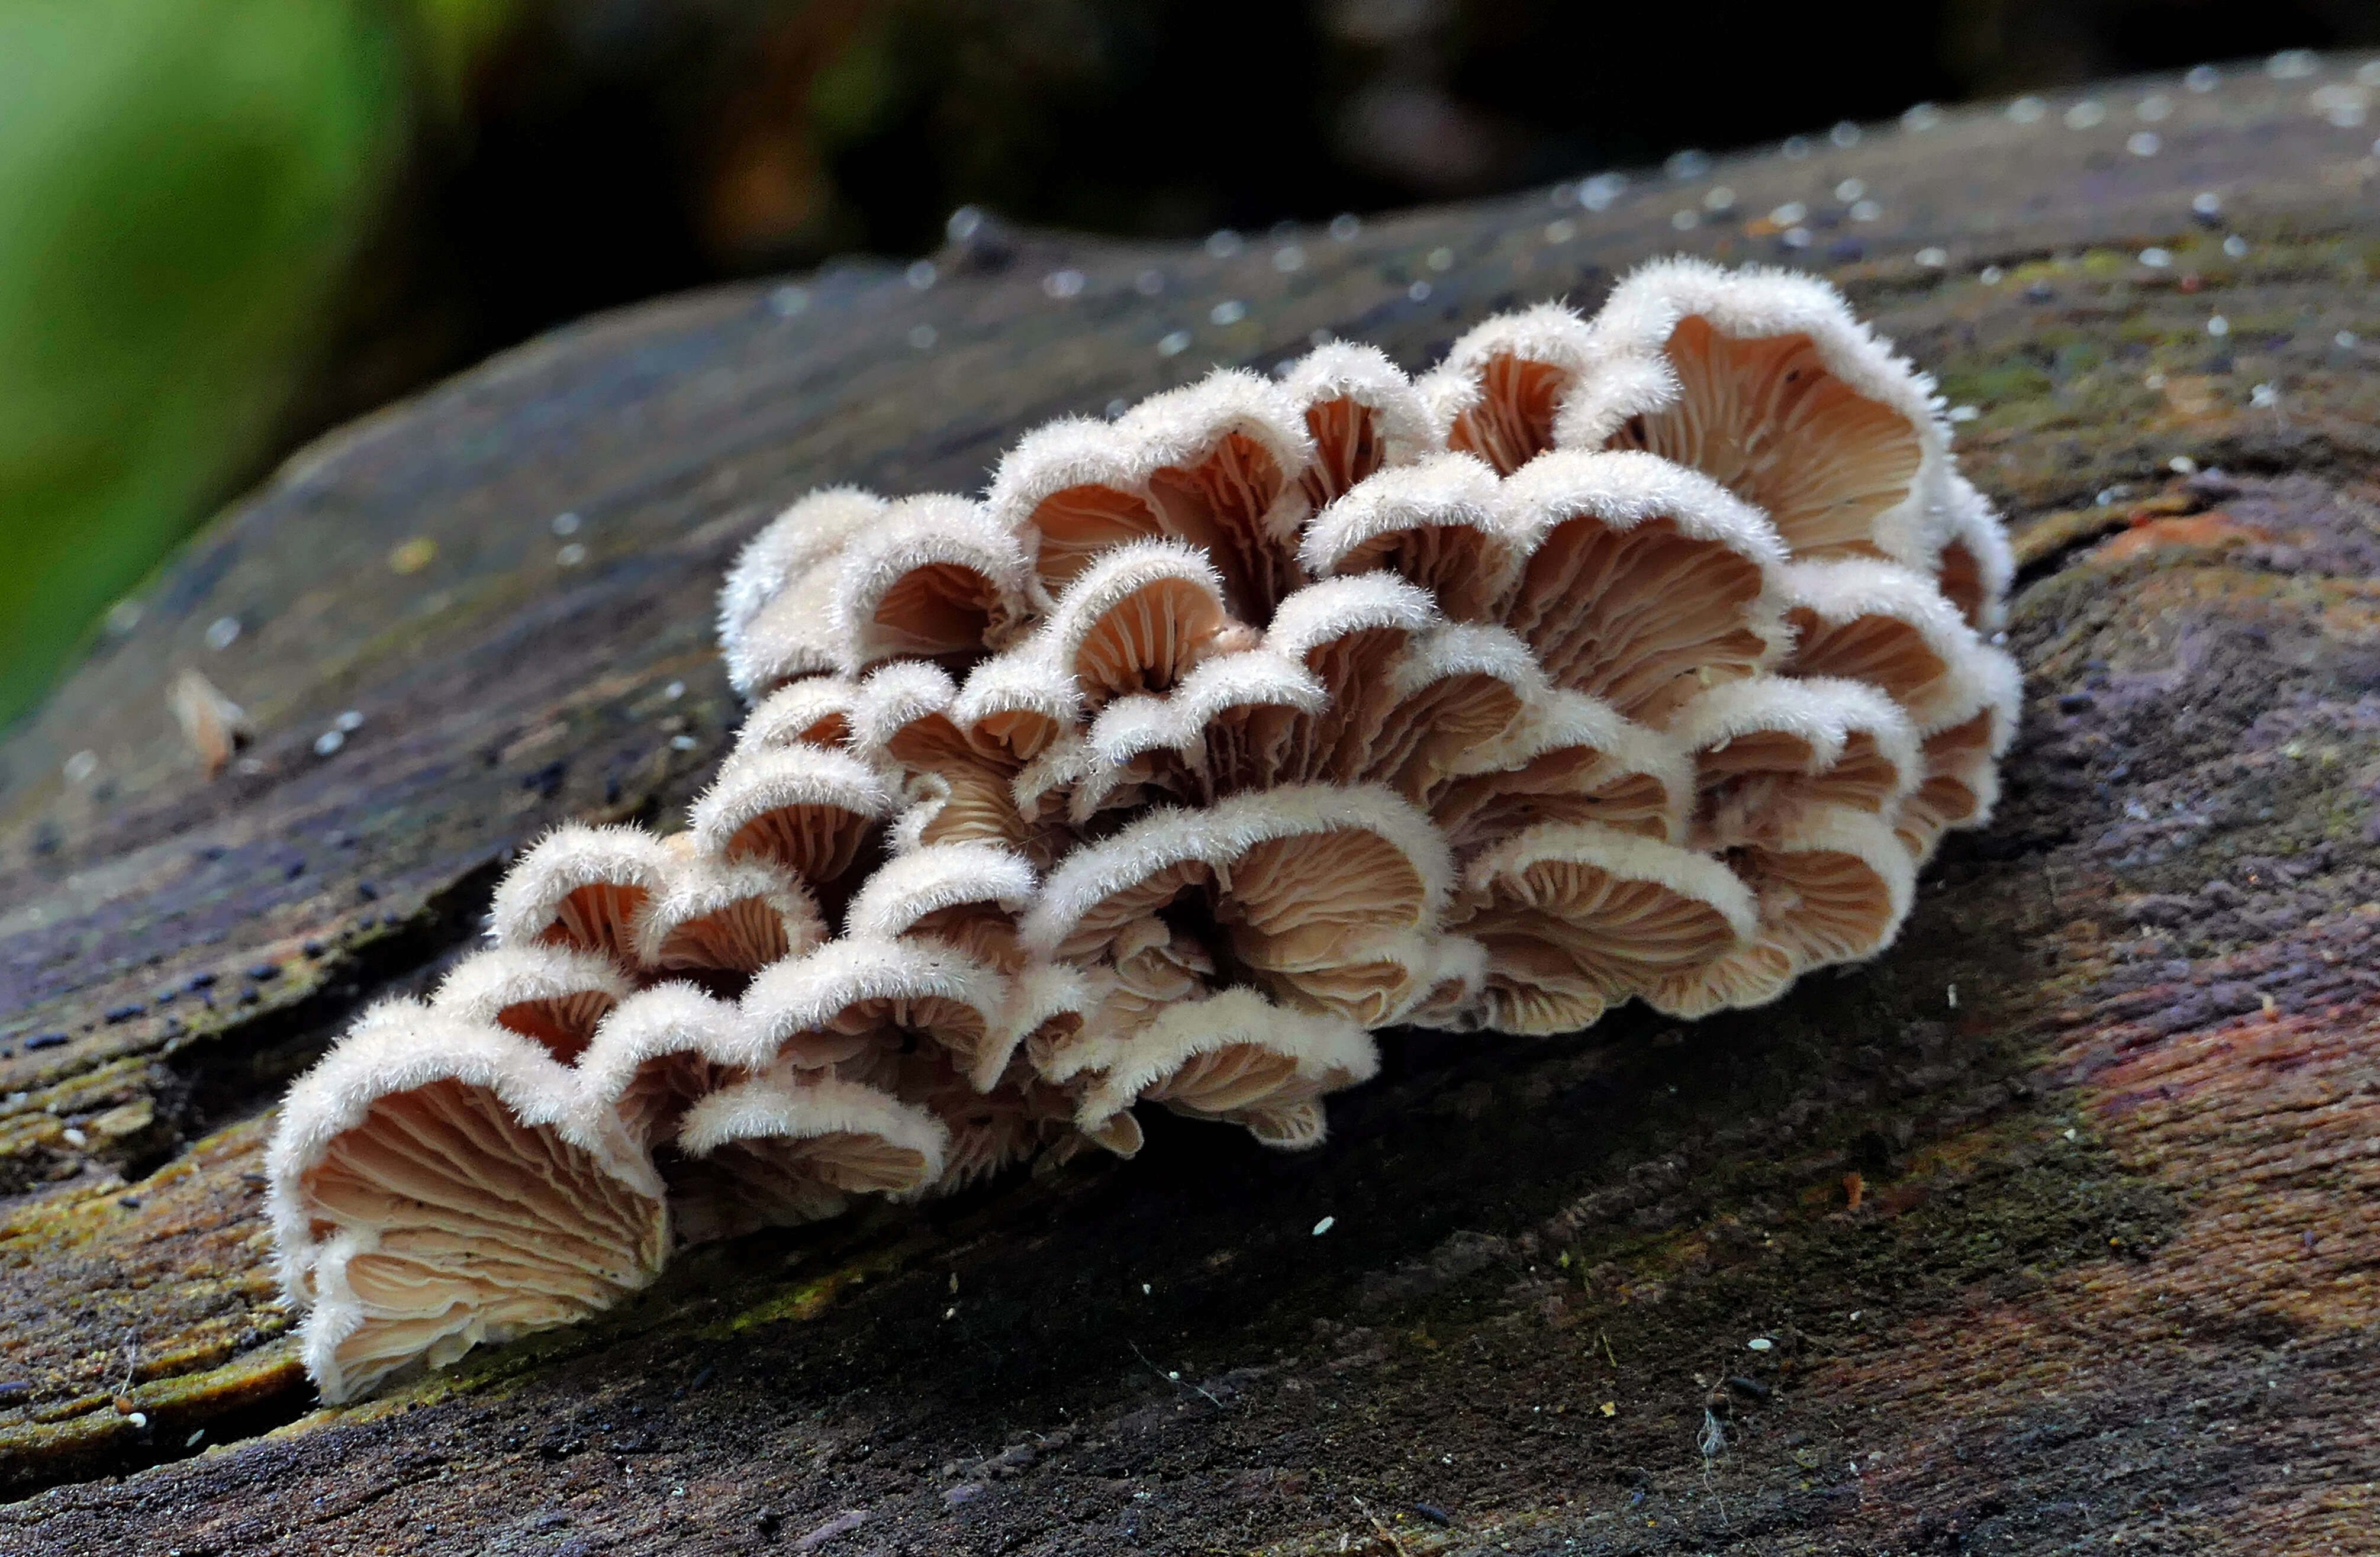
(811, 532)
(1961, 758)
(1362, 413)
(1347, 632)
(1069, 490)
(1643, 583)
(1833, 884)
(1445, 708)
(1976, 565)
(1434, 522)
(1223, 456)
(1502, 386)
(1774, 390)
(819, 711)
(581, 887)
(1577, 918)
(894, 696)
(1571, 758)
(775, 632)
(1305, 879)
(1135, 619)
(732, 916)
(550, 995)
(935, 577)
(1228, 726)
(1766, 748)
(804, 808)
(1018, 704)
(1233, 1056)
(660, 1051)
(853, 999)
(438, 1183)
(1880, 624)
(966, 895)
(788, 1148)
(1048, 1007)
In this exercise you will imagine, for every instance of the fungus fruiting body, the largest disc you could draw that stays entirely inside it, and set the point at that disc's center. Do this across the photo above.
(1637, 658)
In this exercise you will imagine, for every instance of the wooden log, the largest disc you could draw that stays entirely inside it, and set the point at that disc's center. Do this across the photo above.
(2054, 1224)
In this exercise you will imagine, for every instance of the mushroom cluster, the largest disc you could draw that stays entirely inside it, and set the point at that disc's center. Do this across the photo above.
(1640, 658)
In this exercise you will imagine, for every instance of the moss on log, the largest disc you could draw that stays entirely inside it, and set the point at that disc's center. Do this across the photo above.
(2056, 1220)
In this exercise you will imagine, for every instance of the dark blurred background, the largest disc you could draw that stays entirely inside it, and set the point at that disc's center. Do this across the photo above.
(228, 224)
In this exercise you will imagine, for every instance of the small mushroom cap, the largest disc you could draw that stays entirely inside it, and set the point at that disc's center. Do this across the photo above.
(1577, 918)
(1015, 705)
(1961, 783)
(1975, 564)
(1397, 871)
(1068, 490)
(820, 711)
(1328, 613)
(1348, 632)
(935, 577)
(1833, 887)
(661, 1049)
(1233, 1057)
(784, 1148)
(1434, 522)
(581, 887)
(726, 915)
(437, 1183)
(1458, 978)
(773, 626)
(1571, 758)
(1766, 748)
(1643, 582)
(1880, 624)
(1501, 389)
(1228, 726)
(1135, 619)
(814, 530)
(552, 994)
(1181, 426)
(966, 895)
(1362, 413)
(851, 996)
(1775, 390)
(1445, 708)
(1225, 456)
(893, 697)
(807, 809)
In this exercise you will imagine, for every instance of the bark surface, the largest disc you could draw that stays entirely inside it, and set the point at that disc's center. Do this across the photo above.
(2058, 1220)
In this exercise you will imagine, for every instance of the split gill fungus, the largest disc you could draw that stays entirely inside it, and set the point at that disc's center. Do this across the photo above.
(1640, 658)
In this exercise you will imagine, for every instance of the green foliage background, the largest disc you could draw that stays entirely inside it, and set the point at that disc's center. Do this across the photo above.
(181, 182)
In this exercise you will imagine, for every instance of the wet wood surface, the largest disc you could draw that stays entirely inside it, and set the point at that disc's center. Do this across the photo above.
(2058, 1220)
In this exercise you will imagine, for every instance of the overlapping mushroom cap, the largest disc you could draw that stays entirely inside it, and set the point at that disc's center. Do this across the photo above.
(1639, 657)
